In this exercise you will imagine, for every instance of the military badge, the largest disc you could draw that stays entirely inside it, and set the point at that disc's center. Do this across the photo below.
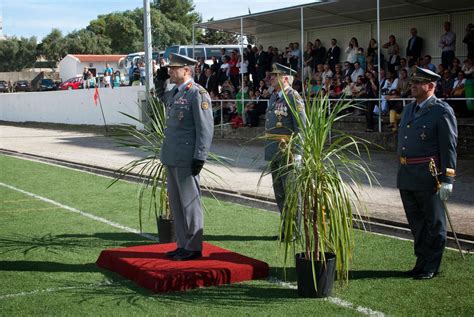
(204, 105)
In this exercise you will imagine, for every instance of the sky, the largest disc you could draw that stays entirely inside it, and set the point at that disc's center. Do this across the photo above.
(38, 17)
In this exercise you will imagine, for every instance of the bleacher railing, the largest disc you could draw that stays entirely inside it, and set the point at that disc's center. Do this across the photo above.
(356, 101)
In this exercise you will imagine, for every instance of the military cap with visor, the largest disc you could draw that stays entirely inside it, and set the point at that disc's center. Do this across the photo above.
(424, 76)
(178, 60)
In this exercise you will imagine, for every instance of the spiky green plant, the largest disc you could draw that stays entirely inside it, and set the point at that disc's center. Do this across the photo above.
(151, 172)
(322, 191)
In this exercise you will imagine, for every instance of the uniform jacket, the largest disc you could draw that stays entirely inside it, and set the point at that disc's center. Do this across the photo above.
(289, 123)
(189, 125)
(432, 133)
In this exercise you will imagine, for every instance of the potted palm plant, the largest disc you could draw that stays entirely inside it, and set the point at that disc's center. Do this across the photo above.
(322, 196)
(149, 169)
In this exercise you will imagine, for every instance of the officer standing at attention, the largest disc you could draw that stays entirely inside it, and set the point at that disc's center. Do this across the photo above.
(428, 130)
(280, 125)
(188, 138)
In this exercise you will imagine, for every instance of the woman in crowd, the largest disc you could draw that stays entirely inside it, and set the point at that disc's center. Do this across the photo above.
(393, 51)
(351, 50)
(371, 91)
(308, 61)
(455, 68)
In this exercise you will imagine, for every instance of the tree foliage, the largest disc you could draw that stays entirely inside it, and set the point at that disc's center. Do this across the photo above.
(114, 33)
(218, 37)
(16, 54)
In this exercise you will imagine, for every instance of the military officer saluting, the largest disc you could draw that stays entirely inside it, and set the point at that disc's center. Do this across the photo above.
(280, 125)
(188, 138)
(428, 131)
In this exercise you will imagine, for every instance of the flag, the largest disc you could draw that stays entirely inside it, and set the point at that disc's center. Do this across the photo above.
(96, 95)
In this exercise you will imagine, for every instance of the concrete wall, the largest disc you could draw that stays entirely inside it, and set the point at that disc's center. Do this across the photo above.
(72, 106)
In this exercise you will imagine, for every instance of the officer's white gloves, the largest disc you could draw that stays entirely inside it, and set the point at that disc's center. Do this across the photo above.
(445, 191)
(297, 160)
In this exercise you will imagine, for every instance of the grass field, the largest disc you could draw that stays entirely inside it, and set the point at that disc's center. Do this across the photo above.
(48, 254)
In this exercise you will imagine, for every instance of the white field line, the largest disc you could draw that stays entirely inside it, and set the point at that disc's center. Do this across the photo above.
(82, 213)
(333, 300)
(55, 289)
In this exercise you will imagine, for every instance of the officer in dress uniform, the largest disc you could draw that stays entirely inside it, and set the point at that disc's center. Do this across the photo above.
(428, 130)
(280, 125)
(188, 138)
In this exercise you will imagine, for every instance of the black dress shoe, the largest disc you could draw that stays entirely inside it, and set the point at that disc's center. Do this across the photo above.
(186, 255)
(425, 276)
(174, 252)
(414, 271)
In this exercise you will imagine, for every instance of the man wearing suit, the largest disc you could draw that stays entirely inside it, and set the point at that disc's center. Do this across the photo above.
(333, 54)
(280, 124)
(188, 138)
(210, 81)
(414, 47)
(428, 131)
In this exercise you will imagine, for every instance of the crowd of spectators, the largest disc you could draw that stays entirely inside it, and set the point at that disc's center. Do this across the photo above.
(324, 71)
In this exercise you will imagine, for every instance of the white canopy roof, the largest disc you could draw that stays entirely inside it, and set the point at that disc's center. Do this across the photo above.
(329, 13)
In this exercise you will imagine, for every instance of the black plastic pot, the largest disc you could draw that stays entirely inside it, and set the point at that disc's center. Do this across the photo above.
(166, 232)
(325, 274)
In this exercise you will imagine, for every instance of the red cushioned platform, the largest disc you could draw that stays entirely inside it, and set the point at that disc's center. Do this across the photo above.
(148, 267)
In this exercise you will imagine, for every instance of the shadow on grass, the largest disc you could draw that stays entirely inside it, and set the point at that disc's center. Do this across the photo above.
(124, 292)
(58, 244)
(238, 238)
(372, 274)
(47, 266)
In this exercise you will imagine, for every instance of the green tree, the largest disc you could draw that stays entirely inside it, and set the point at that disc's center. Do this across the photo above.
(179, 11)
(86, 42)
(124, 33)
(17, 54)
(218, 37)
(52, 47)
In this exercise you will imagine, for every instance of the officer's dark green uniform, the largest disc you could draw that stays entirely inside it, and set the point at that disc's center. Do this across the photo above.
(280, 124)
(188, 137)
(429, 132)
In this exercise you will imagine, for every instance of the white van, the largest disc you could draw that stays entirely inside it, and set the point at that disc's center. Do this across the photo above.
(200, 50)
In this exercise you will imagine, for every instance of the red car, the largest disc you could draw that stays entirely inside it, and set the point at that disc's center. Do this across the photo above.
(72, 83)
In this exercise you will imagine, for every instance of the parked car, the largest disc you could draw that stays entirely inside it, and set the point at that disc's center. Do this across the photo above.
(22, 85)
(47, 84)
(3, 86)
(72, 83)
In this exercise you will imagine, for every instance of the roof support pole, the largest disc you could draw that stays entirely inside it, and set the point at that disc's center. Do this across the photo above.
(379, 65)
(302, 47)
(148, 46)
(194, 40)
(241, 63)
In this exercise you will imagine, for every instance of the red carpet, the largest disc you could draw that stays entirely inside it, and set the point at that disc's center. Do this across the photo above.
(148, 267)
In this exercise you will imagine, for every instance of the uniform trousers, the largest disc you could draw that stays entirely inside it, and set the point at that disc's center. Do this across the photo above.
(185, 202)
(426, 217)
(280, 177)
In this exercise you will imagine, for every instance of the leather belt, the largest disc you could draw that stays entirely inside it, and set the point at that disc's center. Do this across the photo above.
(278, 137)
(418, 160)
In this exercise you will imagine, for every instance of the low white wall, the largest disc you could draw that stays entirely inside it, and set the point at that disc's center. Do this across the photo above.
(72, 106)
